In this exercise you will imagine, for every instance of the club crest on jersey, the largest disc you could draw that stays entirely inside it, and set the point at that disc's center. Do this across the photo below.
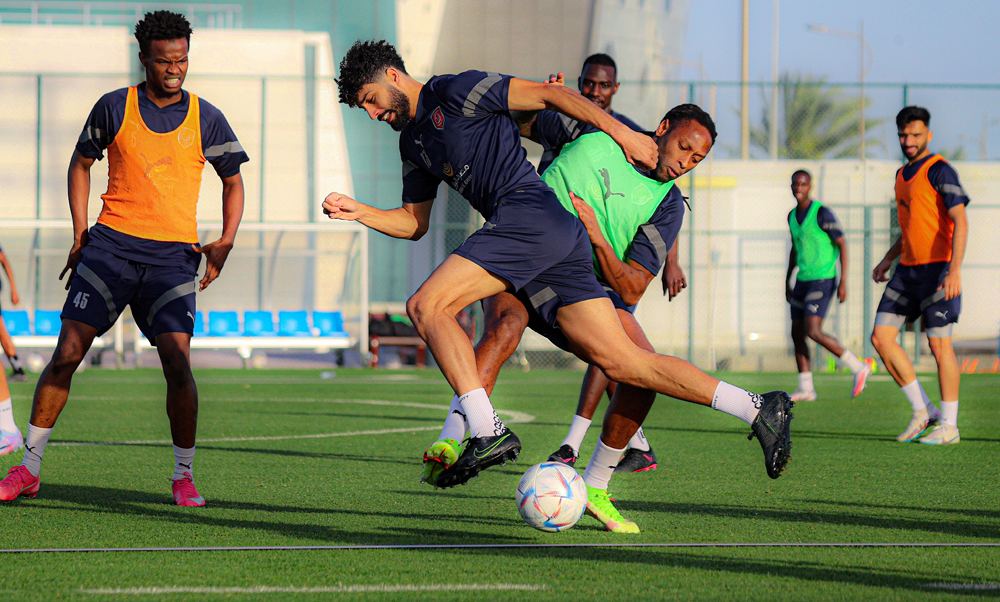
(449, 171)
(437, 118)
(185, 137)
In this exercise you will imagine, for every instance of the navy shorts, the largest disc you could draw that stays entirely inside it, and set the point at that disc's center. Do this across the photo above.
(812, 297)
(540, 248)
(162, 298)
(552, 332)
(913, 292)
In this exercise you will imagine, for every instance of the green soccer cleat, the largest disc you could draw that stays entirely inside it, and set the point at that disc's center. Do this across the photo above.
(439, 456)
(599, 506)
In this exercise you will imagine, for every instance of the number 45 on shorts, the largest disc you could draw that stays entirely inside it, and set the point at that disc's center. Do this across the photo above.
(80, 300)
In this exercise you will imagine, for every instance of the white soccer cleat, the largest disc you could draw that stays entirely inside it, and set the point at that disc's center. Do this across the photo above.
(942, 434)
(860, 379)
(801, 395)
(918, 424)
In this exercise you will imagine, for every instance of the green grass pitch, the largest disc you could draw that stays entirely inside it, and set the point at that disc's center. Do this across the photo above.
(286, 458)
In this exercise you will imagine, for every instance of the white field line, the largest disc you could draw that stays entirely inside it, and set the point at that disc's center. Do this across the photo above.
(330, 589)
(494, 546)
(964, 586)
(510, 416)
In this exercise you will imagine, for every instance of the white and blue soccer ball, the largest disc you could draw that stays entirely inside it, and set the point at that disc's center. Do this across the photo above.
(551, 497)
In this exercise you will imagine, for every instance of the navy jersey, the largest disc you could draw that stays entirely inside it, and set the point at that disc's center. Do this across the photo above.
(219, 145)
(463, 134)
(826, 219)
(943, 178)
(555, 130)
(655, 238)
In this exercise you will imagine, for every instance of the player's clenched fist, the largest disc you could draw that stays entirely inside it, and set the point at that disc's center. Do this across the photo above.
(639, 149)
(341, 206)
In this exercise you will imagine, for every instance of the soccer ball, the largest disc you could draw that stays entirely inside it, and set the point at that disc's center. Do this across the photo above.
(551, 497)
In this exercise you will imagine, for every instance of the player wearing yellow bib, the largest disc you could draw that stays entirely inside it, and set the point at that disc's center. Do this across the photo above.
(818, 243)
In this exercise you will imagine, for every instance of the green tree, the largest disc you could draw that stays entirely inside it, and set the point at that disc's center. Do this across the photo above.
(820, 121)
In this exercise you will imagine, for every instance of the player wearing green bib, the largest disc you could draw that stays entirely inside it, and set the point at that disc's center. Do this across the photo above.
(817, 244)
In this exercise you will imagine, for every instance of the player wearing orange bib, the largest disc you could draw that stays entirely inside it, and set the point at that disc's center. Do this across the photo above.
(928, 280)
(143, 252)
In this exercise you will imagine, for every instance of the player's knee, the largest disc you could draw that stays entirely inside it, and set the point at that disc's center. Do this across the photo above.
(880, 342)
(939, 346)
(176, 368)
(418, 308)
(67, 358)
(815, 333)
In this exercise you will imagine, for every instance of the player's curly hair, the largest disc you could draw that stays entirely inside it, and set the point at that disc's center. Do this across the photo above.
(689, 112)
(802, 172)
(913, 113)
(161, 25)
(363, 64)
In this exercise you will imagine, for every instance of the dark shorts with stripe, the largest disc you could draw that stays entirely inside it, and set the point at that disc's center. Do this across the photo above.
(162, 298)
(551, 332)
(812, 297)
(913, 292)
(540, 248)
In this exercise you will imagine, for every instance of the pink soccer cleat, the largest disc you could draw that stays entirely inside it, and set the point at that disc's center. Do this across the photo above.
(184, 492)
(19, 482)
(860, 379)
(10, 441)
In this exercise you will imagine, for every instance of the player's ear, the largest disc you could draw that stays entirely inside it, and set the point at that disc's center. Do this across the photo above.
(392, 75)
(661, 129)
(930, 135)
(615, 91)
(143, 59)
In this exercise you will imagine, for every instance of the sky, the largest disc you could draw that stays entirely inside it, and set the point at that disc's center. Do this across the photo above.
(917, 41)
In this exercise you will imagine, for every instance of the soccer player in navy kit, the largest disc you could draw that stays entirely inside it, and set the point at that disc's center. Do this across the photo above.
(817, 244)
(458, 129)
(143, 252)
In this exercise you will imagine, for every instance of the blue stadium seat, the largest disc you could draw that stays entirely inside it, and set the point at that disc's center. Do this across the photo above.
(258, 324)
(293, 324)
(47, 322)
(329, 323)
(199, 324)
(17, 322)
(223, 324)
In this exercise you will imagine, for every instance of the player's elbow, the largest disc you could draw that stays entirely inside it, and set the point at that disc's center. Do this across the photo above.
(419, 232)
(631, 297)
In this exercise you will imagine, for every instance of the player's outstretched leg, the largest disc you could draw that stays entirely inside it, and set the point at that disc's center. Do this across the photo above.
(174, 349)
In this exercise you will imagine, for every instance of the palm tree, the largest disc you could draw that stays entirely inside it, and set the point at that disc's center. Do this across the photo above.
(820, 121)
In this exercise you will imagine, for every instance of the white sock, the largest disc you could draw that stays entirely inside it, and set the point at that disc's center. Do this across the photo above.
(34, 447)
(183, 462)
(454, 424)
(806, 381)
(483, 419)
(916, 396)
(929, 407)
(577, 430)
(7, 416)
(638, 441)
(602, 465)
(852, 362)
(949, 413)
(736, 402)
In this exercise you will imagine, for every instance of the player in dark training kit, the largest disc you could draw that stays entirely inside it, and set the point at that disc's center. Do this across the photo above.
(458, 129)
(818, 244)
(143, 252)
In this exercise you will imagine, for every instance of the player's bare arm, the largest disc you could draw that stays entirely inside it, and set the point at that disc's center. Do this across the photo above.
(842, 287)
(673, 277)
(527, 95)
(78, 185)
(952, 284)
(409, 221)
(629, 279)
(526, 120)
(881, 271)
(792, 262)
(217, 252)
(14, 297)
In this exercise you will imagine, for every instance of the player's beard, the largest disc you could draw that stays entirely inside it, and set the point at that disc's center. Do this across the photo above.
(401, 109)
